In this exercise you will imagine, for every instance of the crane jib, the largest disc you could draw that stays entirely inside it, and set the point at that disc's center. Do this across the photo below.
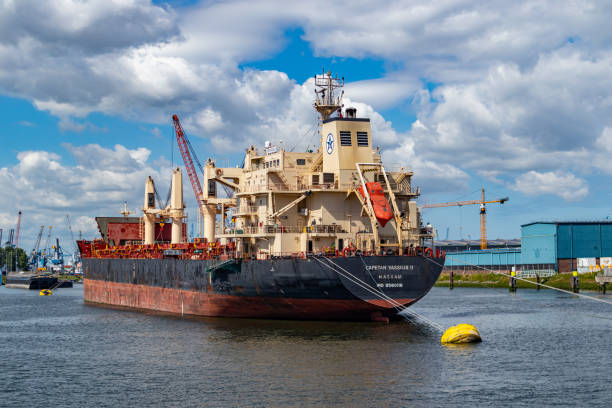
(184, 147)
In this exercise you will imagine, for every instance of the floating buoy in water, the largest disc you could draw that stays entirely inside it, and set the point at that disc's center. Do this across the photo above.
(45, 292)
(461, 334)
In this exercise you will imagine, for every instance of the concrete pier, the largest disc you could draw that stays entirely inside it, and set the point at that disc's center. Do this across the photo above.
(603, 280)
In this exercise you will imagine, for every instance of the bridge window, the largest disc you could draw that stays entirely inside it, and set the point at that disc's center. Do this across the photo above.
(362, 139)
(301, 162)
(345, 138)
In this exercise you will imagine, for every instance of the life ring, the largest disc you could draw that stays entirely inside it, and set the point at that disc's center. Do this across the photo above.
(428, 252)
(346, 252)
(219, 172)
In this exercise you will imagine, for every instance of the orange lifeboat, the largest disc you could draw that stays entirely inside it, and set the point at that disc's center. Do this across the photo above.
(382, 210)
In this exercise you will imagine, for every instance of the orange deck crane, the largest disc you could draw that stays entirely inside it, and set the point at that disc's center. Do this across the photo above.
(483, 212)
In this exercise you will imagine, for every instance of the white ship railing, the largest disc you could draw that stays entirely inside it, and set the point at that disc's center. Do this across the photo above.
(280, 229)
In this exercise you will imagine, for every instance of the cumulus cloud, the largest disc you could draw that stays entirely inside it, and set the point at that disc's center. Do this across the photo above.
(547, 118)
(515, 92)
(565, 185)
(45, 188)
(88, 26)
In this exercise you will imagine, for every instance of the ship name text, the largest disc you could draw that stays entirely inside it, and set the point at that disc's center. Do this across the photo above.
(389, 267)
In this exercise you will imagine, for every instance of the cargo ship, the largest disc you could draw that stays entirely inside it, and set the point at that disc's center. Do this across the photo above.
(325, 234)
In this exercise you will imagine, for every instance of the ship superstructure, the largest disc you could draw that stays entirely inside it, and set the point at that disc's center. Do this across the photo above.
(325, 234)
(311, 202)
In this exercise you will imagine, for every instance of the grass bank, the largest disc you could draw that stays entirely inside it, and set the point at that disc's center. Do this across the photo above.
(74, 278)
(492, 280)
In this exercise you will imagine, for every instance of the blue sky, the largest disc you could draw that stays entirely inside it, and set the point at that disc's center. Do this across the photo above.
(465, 94)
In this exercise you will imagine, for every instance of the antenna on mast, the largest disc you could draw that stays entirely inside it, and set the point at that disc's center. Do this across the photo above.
(326, 101)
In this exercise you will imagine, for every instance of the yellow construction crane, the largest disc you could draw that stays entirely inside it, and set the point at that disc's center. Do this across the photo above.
(483, 212)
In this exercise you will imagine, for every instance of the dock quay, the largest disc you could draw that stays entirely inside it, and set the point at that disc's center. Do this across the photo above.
(35, 282)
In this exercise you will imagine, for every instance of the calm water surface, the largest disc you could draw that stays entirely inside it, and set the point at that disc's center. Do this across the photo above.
(539, 349)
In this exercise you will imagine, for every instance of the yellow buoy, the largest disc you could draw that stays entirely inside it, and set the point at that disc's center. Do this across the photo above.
(460, 334)
(45, 292)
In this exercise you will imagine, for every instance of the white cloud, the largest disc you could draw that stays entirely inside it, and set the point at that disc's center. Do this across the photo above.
(45, 188)
(546, 118)
(385, 92)
(565, 185)
(209, 120)
(516, 92)
(90, 26)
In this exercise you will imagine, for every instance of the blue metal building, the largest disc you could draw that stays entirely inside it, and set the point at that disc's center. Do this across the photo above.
(544, 245)
(562, 243)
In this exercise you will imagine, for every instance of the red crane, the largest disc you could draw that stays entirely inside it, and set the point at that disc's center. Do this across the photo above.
(185, 147)
(18, 228)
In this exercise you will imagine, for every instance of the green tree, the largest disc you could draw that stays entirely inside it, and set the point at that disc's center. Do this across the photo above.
(13, 259)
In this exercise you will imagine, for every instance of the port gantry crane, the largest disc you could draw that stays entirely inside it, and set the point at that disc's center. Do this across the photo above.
(483, 212)
(35, 254)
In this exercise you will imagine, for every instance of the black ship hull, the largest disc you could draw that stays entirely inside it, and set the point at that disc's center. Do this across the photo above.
(314, 288)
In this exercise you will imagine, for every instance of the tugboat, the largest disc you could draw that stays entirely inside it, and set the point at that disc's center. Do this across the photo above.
(318, 235)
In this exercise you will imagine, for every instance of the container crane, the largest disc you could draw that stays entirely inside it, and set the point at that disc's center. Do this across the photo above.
(185, 148)
(35, 252)
(57, 259)
(483, 212)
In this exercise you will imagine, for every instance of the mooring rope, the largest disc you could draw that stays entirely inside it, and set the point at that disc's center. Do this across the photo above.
(360, 283)
(526, 280)
(398, 306)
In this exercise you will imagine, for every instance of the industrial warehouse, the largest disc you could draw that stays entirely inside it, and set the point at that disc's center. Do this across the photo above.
(546, 247)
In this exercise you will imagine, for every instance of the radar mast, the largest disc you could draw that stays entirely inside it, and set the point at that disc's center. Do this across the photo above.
(326, 101)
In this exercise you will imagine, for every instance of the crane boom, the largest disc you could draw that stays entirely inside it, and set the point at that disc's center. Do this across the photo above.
(483, 212)
(462, 203)
(48, 238)
(184, 146)
(69, 225)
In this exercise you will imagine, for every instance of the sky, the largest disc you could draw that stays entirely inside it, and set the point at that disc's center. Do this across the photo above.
(513, 97)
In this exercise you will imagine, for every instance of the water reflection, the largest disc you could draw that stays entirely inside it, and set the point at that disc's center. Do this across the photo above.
(534, 346)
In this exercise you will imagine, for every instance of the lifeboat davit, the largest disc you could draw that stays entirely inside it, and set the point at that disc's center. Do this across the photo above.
(382, 210)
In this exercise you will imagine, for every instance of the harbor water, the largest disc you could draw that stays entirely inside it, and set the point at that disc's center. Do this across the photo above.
(540, 348)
